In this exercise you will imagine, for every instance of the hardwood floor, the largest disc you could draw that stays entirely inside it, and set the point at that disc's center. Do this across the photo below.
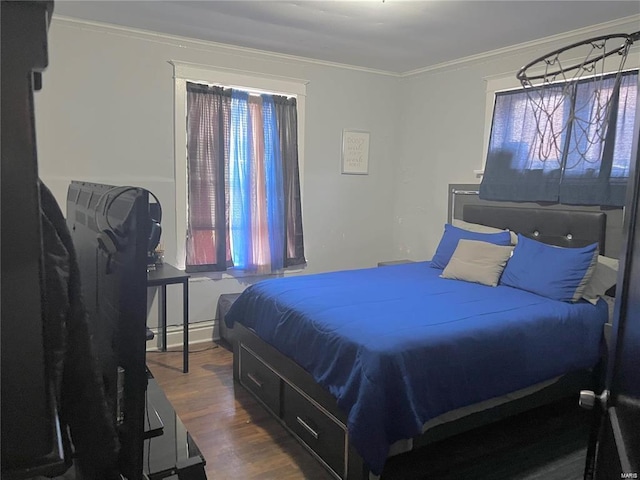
(240, 440)
(236, 435)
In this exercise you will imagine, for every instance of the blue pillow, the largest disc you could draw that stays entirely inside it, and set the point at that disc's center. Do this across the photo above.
(452, 235)
(553, 272)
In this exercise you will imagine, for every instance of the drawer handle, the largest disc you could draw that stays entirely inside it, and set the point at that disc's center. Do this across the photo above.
(254, 380)
(306, 426)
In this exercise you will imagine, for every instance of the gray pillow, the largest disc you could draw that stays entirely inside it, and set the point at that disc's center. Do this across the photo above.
(478, 262)
(604, 277)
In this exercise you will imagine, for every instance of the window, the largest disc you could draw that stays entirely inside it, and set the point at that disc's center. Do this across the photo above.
(238, 179)
(562, 157)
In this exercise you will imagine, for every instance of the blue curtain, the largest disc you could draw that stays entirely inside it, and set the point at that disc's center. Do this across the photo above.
(581, 164)
(240, 180)
(274, 183)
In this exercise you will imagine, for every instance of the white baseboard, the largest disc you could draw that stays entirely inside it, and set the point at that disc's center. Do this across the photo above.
(200, 332)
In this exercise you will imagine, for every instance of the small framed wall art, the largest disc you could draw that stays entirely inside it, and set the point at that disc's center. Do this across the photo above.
(355, 152)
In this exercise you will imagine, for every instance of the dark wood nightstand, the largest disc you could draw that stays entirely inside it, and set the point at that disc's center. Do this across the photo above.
(394, 262)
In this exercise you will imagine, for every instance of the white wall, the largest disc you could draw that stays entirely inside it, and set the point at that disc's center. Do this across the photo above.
(105, 114)
(106, 110)
(442, 136)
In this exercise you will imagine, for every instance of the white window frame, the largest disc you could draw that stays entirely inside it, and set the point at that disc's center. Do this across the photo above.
(184, 72)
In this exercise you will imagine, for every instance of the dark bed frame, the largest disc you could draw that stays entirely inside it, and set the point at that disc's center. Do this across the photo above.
(310, 412)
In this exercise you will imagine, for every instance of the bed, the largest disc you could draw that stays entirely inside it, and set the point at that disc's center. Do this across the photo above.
(362, 364)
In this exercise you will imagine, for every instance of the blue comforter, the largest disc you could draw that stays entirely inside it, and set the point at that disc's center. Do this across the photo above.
(398, 345)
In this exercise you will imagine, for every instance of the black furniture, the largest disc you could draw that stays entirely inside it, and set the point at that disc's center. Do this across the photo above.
(163, 275)
(224, 304)
(31, 439)
(311, 413)
(169, 450)
(96, 338)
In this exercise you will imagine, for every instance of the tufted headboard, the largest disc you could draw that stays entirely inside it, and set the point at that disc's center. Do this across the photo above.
(565, 228)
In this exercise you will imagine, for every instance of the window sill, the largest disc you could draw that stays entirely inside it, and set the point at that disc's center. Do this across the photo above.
(241, 274)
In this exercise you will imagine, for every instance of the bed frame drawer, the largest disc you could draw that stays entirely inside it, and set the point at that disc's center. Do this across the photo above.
(316, 428)
(260, 380)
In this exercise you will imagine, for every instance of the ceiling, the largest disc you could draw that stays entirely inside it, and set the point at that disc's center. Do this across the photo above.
(396, 36)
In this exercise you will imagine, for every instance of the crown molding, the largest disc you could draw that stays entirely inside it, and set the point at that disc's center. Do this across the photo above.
(523, 46)
(182, 42)
(278, 84)
(196, 44)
